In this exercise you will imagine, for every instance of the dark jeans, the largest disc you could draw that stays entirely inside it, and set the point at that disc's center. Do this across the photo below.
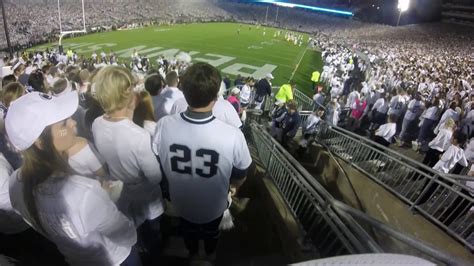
(426, 130)
(149, 235)
(431, 157)
(380, 140)
(192, 233)
(133, 259)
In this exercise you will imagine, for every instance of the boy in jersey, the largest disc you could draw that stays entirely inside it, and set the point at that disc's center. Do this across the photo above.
(202, 158)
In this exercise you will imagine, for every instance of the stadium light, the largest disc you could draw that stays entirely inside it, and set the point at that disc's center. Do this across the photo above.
(403, 6)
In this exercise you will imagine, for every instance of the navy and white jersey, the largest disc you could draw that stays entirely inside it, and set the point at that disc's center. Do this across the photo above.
(199, 156)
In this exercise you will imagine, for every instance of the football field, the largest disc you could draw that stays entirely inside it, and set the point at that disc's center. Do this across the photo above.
(233, 48)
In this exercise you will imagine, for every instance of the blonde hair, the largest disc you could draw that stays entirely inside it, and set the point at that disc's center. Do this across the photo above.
(114, 88)
(450, 123)
(11, 92)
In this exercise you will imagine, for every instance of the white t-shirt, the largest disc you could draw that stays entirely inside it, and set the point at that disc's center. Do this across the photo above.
(381, 106)
(10, 221)
(223, 110)
(450, 113)
(199, 166)
(469, 150)
(397, 105)
(126, 148)
(387, 131)
(149, 127)
(431, 113)
(352, 97)
(415, 109)
(86, 162)
(78, 216)
(166, 100)
(245, 94)
(453, 155)
(311, 124)
(442, 141)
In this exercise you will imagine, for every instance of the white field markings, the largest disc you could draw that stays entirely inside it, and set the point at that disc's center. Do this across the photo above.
(215, 60)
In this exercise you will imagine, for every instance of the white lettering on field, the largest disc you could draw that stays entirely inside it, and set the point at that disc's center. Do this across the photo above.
(141, 50)
(218, 60)
(255, 71)
(96, 48)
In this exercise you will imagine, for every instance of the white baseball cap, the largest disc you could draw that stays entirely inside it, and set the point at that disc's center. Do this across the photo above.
(269, 76)
(30, 114)
(235, 91)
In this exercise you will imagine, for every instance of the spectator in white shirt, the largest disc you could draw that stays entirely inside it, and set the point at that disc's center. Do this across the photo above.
(333, 111)
(246, 93)
(453, 155)
(126, 148)
(428, 121)
(385, 132)
(70, 210)
(310, 127)
(10, 221)
(379, 111)
(410, 121)
(453, 113)
(439, 144)
(168, 96)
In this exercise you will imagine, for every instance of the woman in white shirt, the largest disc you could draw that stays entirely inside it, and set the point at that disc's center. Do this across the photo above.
(246, 92)
(439, 144)
(126, 148)
(70, 210)
(453, 113)
(384, 134)
(451, 157)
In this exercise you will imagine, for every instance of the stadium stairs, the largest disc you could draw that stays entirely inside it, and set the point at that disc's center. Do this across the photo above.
(383, 185)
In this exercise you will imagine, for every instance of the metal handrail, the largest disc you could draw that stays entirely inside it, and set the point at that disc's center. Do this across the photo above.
(309, 202)
(303, 195)
(378, 226)
(441, 198)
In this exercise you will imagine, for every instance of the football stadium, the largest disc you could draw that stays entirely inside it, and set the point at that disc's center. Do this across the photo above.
(236, 132)
(256, 49)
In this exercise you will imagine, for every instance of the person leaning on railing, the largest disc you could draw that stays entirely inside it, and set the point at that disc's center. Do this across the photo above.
(454, 155)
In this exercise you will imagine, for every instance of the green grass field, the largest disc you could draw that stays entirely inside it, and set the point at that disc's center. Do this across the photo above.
(228, 48)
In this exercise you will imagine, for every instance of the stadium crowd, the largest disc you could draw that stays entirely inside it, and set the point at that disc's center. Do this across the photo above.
(119, 141)
(27, 29)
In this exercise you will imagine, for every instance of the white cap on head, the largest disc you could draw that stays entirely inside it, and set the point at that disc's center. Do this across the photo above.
(30, 114)
(235, 91)
(269, 76)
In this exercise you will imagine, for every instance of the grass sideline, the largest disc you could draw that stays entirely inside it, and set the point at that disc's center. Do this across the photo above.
(250, 47)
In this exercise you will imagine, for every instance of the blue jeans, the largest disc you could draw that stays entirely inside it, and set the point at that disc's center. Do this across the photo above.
(426, 130)
(408, 129)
